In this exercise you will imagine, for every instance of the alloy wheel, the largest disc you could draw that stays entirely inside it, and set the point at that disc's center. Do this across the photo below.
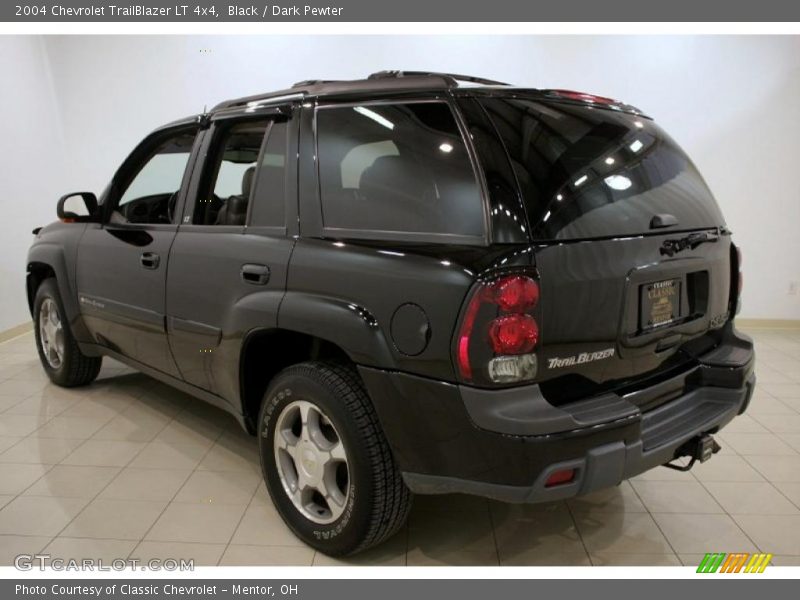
(312, 462)
(51, 333)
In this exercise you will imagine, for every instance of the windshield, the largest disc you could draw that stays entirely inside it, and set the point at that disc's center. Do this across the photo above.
(589, 172)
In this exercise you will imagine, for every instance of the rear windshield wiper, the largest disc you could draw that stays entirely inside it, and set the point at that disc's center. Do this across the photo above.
(691, 241)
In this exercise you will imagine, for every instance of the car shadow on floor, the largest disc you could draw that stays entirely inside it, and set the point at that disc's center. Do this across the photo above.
(441, 530)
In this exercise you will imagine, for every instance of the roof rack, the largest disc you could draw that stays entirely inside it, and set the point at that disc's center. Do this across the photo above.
(310, 82)
(451, 78)
(382, 79)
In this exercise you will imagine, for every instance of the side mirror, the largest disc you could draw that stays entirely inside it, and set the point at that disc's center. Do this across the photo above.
(78, 207)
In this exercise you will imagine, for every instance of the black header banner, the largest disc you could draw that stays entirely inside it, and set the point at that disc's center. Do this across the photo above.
(165, 11)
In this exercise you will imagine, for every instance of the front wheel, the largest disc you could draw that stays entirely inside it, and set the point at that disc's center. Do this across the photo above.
(326, 462)
(61, 357)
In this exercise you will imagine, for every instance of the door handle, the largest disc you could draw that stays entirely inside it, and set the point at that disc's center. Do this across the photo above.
(150, 260)
(255, 274)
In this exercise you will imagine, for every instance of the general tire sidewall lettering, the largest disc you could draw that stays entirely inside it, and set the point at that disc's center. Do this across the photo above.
(276, 401)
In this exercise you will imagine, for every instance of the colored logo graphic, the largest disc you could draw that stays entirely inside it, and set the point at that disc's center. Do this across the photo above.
(741, 562)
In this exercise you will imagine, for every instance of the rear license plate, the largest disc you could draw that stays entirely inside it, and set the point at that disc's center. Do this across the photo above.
(660, 303)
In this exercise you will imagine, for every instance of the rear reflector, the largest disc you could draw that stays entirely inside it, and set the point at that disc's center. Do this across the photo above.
(560, 478)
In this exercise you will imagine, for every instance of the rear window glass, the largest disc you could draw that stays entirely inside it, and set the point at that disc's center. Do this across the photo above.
(591, 172)
(396, 168)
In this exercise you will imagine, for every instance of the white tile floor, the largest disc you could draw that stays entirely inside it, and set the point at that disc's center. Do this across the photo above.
(130, 467)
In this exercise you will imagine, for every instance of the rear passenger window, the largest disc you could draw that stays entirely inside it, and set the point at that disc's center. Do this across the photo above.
(228, 177)
(396, 168)
(269, 196)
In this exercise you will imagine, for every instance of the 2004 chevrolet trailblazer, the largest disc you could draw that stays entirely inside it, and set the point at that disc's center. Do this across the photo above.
(407, 285)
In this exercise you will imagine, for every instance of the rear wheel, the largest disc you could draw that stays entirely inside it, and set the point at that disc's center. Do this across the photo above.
(59, 353)
(326, 462)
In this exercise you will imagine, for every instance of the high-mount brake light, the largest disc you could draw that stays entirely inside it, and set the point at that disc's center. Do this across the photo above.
(582, 96)
(499, 332)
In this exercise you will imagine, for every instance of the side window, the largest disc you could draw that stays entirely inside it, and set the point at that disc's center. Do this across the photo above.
(396, 168)
(227, 181)
(269, 196)
(151, 191)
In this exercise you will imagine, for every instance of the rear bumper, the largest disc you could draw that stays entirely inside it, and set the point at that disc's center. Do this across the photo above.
(504, 444)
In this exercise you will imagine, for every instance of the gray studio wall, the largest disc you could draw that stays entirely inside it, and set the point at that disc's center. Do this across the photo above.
(32, 161)
(731, 101)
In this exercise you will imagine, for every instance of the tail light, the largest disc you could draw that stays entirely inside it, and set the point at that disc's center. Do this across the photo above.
(736, 271)
(740, 281)
(499, 331)
(513, 334)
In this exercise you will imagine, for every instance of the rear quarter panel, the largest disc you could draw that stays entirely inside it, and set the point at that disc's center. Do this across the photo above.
(350, 293)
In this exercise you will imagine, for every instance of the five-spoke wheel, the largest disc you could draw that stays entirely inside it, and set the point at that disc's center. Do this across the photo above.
(328, 467)
(51, 333)
(59, 352)
(312, 462)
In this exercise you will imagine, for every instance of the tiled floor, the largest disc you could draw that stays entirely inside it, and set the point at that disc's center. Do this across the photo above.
(130, 467)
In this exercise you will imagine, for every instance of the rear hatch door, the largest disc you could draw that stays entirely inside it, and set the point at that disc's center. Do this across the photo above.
(630, 245)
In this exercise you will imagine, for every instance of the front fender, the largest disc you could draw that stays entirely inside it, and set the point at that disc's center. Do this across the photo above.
(56, 247)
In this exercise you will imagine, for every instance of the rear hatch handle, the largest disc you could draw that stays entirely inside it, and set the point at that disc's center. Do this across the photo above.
(691, 241)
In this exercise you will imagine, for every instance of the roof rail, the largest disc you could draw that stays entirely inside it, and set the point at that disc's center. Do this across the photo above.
(451, 78)
(310, 82)
(279, 96)
(380, 80)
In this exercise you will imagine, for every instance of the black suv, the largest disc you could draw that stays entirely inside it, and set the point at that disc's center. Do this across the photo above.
(413, 283)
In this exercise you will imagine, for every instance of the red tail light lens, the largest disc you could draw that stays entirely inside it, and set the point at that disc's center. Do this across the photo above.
(516, 293)
(513, 334)
(739, 265)
(465, 334)
(499, 331)
(737, 281)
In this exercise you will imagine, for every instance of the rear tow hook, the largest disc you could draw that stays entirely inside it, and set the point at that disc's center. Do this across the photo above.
(699, 448)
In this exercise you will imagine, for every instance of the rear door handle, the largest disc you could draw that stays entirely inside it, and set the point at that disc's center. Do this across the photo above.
(255, 274)
(150, 260)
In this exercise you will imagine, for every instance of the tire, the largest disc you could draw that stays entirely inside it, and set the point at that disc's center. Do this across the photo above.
(67, 366)
(365, 507)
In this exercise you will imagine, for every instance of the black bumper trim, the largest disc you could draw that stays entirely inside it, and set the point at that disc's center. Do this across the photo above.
(663, 432)
(440, 447)
(525, 411)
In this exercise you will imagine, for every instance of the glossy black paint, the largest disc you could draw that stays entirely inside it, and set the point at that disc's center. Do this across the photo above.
(434, 435)
(390, 305)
